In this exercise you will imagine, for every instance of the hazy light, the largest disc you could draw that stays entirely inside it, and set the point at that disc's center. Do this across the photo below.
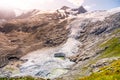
(35, 4)
(23, 4)
(77, 2)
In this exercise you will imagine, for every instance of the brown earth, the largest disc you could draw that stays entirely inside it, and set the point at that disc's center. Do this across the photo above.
(21, 36)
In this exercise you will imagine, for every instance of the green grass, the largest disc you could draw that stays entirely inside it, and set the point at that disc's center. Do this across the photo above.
(113, 48)
(111, 72)
(116, 31)
(22, 78)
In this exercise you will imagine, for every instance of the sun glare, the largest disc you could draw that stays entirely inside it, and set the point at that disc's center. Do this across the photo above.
(11, 3)
(77, 2)
(34, 4)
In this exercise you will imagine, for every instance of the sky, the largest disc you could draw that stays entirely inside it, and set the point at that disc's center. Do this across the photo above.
(56, 4)
(101, 4)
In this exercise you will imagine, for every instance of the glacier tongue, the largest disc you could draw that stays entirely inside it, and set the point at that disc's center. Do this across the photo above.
(43, 63)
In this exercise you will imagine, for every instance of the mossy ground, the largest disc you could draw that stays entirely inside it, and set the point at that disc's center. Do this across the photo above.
(111, 72)
(117, 31)
(22, 78)
(112, 45)
(112, 48)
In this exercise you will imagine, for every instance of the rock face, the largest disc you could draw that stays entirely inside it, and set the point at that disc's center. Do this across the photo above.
(41, 39)
(80, 10)
(65, 8)
(67, 11)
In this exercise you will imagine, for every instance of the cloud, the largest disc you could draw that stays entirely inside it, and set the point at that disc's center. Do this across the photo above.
(38, 4)
(88, 7)
(24, 4)
(77, 2)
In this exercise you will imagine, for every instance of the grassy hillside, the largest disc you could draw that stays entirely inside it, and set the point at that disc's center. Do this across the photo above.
(22, 78)
(111, 72)
(112, 48)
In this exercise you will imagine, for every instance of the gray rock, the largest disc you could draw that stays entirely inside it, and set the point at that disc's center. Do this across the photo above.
(5, 73)
(102, 63)
(43, 73)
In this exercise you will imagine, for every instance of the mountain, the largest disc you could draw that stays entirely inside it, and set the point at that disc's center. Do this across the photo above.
(28, 14)
(80, 10)
(65, 8)
(45, 45)
(67, 11)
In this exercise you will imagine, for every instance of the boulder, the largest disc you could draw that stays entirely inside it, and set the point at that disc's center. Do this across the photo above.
(59, 55)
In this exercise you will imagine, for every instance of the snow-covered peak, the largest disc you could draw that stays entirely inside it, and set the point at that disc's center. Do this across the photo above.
(99, 15)
(114, 10)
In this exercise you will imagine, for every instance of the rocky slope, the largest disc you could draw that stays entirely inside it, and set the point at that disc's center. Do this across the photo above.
(53, 45)
(21, 36)
(100, 39)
